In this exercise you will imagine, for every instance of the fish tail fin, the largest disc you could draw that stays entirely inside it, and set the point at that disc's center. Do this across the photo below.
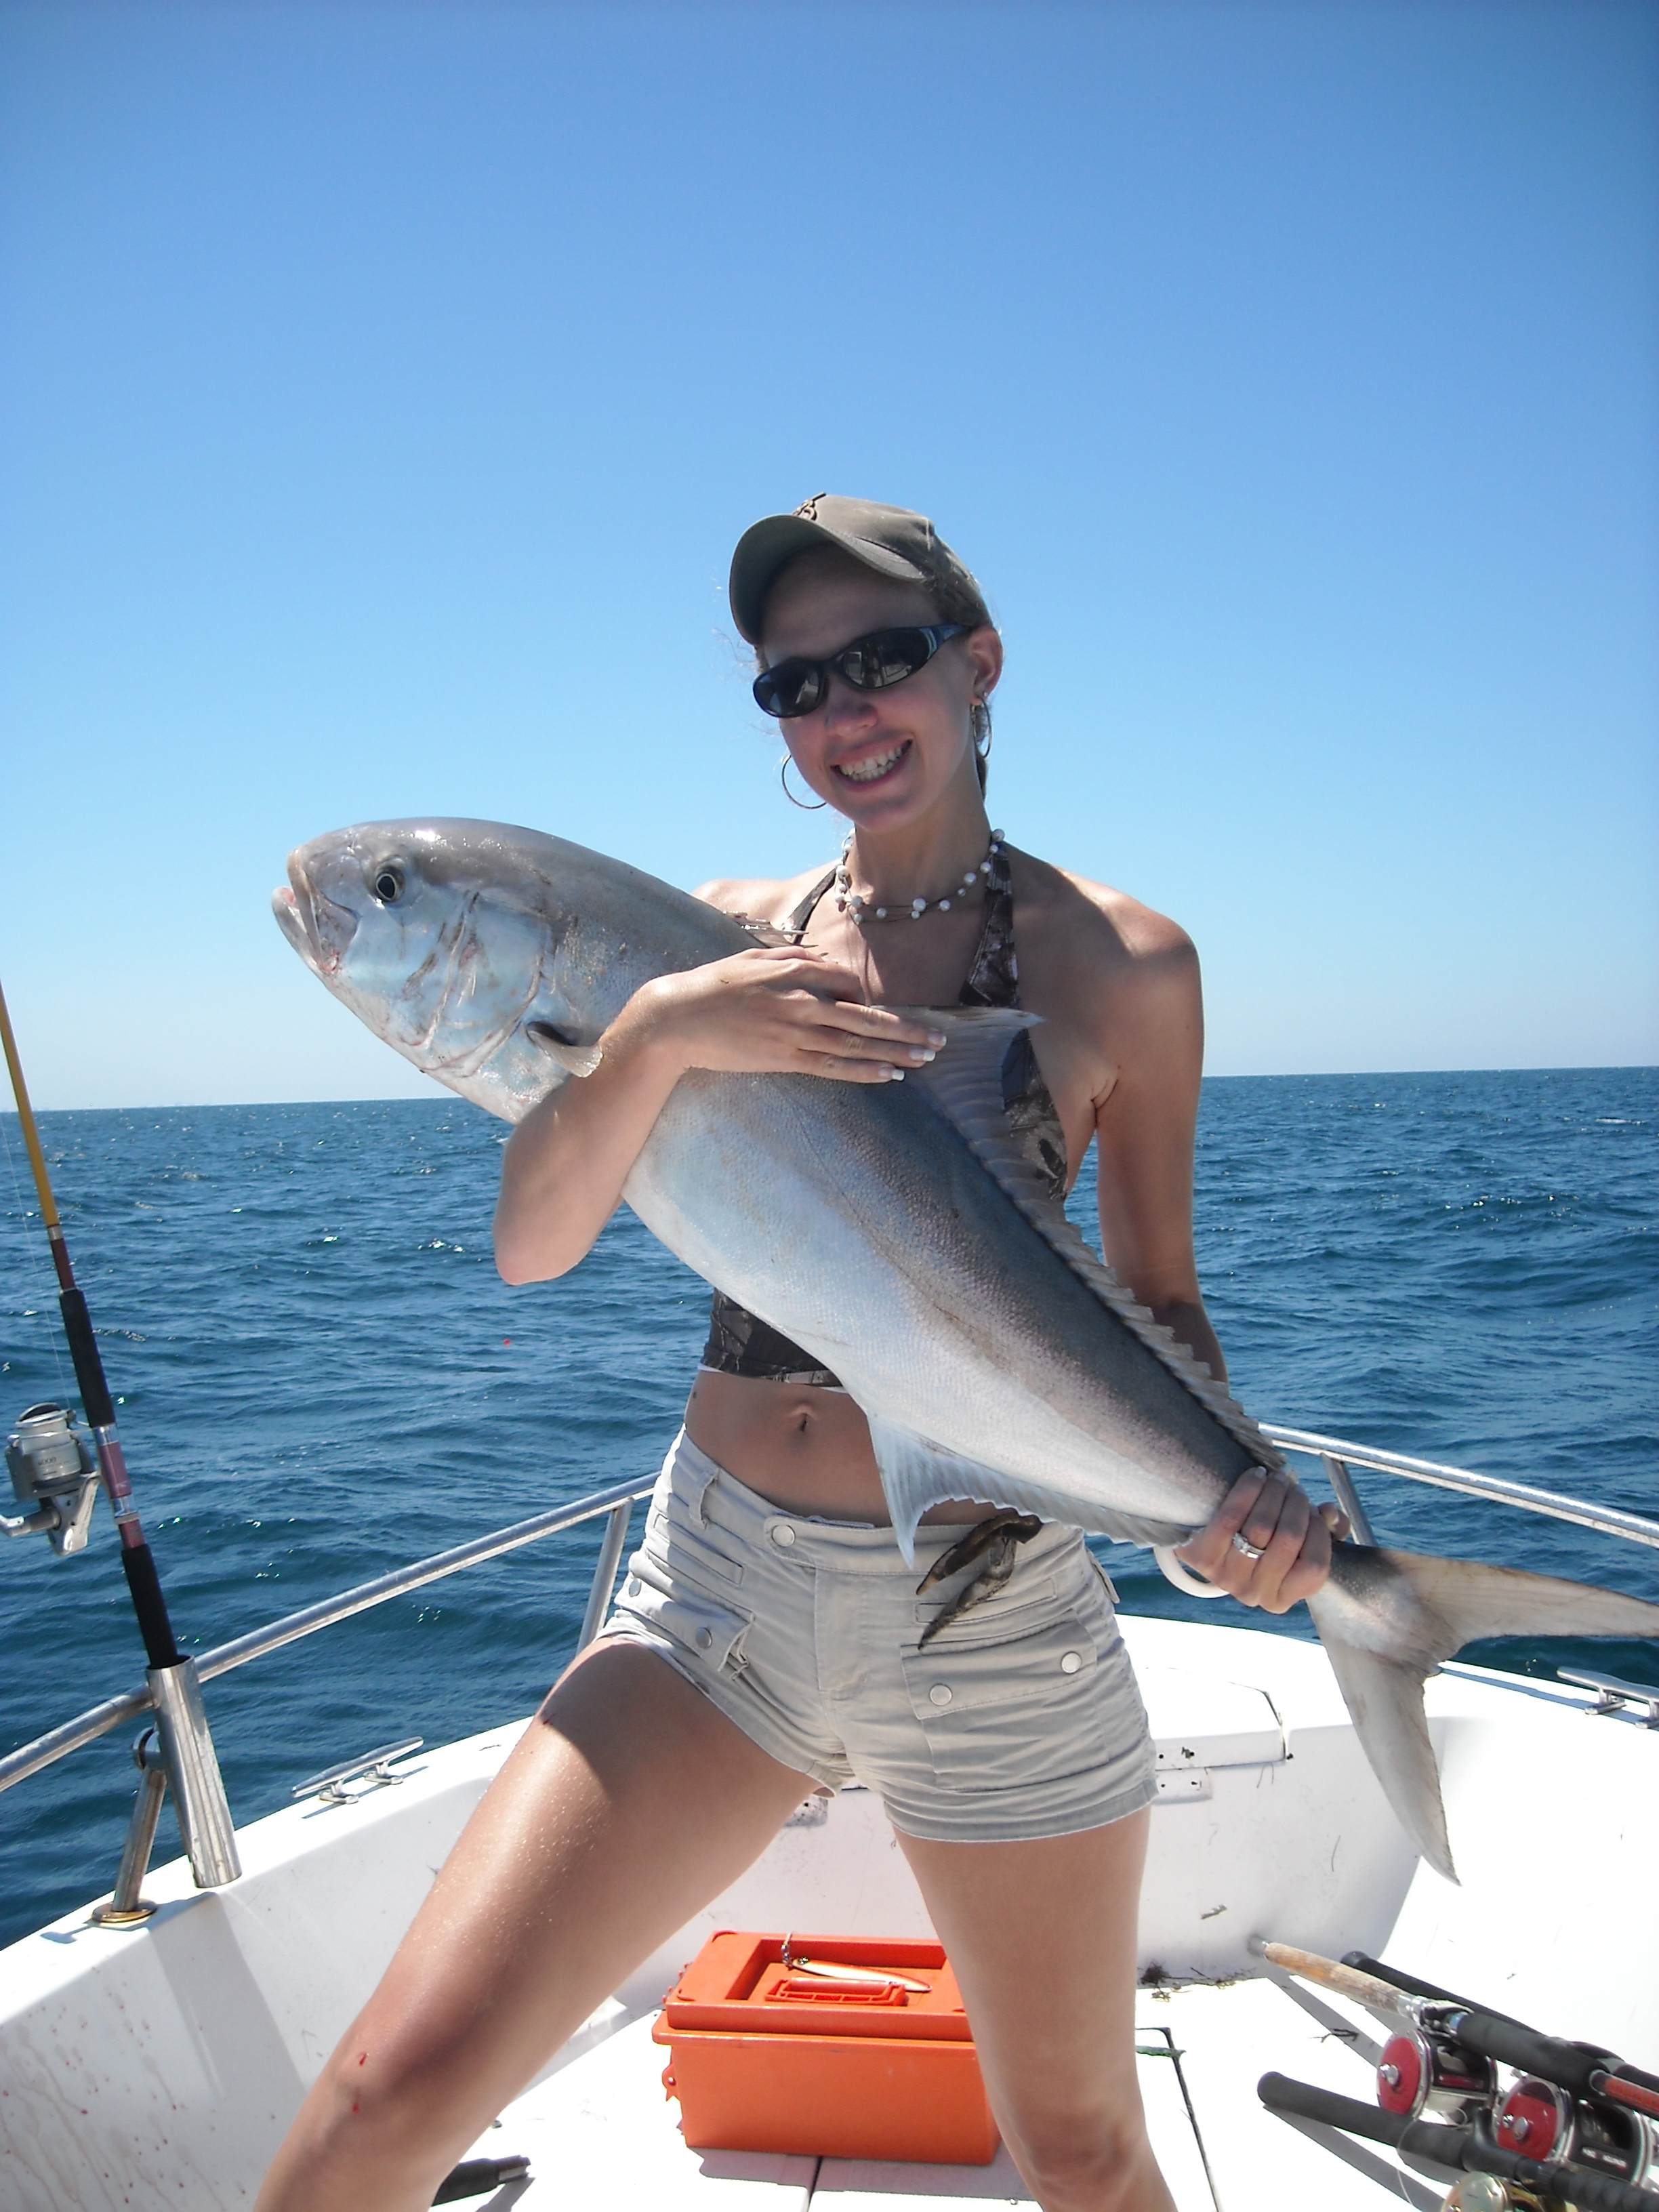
(1388, 1619)
(1385, 1699)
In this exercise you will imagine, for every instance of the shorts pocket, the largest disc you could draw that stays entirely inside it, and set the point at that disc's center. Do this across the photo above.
(677, 1545)
(699, 1622)
(984, 1619)
(1021, 1708)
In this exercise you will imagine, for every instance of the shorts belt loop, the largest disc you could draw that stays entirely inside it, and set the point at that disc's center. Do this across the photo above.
(694, 1483)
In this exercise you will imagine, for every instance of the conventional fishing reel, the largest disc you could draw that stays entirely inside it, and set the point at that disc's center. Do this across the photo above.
(54, 1473)
(1573, 2128)
(1425, 2074)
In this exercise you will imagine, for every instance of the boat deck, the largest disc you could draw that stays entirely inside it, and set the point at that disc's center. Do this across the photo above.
(161, 2066)
(602, 2136)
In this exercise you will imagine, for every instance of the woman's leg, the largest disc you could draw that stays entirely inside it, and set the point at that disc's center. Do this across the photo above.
(1042, 1937)
(628, 1803)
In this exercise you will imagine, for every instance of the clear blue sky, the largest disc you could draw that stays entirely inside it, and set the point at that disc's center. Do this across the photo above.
(382, 390)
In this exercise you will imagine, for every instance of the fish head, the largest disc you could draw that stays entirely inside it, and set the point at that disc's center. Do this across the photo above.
(451, 942)
(492, 957)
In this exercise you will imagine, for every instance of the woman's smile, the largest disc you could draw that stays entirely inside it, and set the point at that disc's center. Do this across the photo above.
(871, 767)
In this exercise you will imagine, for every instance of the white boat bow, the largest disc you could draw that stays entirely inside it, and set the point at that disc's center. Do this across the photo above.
(159, 2065)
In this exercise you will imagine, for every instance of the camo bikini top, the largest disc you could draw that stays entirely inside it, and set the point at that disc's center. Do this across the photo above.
(739, 1342)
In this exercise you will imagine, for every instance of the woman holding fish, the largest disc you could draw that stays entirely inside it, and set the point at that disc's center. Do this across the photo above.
(771, 1636)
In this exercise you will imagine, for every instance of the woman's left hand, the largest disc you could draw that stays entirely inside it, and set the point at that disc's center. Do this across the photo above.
(1277, 1520)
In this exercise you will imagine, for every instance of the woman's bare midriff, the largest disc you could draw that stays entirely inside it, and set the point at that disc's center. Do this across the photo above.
(803, 1449)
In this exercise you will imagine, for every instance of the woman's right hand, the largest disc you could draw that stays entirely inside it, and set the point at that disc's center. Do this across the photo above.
(774, 1009)
(769, 1011)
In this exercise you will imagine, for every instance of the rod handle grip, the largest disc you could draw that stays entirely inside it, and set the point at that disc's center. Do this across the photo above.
(95, 1400)
(1441, 2146)
(1348, 1981)
(160, 1645)
(1496, 2036)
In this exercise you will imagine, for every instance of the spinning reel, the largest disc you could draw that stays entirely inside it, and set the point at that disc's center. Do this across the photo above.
(54, 1473)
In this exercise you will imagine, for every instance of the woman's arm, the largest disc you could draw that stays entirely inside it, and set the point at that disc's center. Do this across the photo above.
(769, 1010)
(1145, 1127)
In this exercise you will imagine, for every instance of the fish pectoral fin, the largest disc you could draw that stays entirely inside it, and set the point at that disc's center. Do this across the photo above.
(575, 1058)
(1386, 1619)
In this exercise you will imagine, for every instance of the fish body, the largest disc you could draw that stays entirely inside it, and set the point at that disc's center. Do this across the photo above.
(895, 1231)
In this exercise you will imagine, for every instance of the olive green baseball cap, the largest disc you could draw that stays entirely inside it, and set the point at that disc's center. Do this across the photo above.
(891, 540)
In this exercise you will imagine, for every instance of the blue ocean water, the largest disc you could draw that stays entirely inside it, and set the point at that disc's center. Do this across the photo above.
(321, 1376)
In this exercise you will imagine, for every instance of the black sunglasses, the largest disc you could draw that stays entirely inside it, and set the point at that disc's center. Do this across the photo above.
(869, 664)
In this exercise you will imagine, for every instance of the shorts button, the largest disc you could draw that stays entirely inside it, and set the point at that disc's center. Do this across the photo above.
(783, 1534)
(1070, 1662)
(939, 1694)
(705, 1640)
(632, 1588)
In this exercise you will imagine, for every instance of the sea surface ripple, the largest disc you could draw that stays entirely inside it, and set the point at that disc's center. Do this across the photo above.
(321, 1376)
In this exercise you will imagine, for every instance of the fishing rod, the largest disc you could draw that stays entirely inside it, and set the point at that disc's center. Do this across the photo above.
(1469, 2149)
(1584, 2070)
(1573, 2110)
(46, 1458)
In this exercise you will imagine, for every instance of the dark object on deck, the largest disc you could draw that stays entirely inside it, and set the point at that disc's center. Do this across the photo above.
(475, 2176)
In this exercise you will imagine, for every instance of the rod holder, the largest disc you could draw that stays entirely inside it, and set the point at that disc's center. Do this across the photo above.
(192, 1769)
(127, 1908)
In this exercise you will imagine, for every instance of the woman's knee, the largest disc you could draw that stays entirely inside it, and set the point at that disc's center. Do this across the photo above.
(1092, 2161)
(395, 2092)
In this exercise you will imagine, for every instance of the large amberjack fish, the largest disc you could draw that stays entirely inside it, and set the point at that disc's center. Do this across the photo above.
(895, 1230)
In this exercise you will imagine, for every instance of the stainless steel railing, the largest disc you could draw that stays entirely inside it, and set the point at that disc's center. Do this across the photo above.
(1339, 1456)
(1336, 1454)
(29, 1757)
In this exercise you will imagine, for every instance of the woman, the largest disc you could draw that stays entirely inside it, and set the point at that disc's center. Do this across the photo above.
(669, 1754)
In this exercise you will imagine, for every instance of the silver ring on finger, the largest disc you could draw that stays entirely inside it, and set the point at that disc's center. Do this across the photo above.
(1242, 1543)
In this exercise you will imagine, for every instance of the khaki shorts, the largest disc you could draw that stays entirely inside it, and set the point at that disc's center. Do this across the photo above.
(1020, 1720)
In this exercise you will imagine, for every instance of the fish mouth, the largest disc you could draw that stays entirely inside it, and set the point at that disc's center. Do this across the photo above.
(317, 929)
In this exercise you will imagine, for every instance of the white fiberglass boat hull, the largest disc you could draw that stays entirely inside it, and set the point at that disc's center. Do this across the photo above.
(160, 2066)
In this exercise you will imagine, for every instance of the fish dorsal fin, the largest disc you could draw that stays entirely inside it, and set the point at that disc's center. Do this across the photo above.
(964, 1083)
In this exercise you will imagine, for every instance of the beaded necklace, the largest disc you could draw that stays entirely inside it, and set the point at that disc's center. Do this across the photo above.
(853, 903)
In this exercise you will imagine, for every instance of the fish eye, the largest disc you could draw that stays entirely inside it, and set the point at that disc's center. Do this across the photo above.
(388, 883)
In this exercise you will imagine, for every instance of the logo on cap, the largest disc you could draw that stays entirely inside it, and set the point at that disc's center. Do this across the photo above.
(808, 509)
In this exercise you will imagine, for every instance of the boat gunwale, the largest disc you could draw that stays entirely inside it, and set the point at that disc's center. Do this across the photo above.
(100, 1719)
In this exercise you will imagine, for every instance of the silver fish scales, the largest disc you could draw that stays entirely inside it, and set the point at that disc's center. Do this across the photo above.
(893, 1230)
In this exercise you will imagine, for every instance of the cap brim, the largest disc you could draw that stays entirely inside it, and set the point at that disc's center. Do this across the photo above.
(763, 549)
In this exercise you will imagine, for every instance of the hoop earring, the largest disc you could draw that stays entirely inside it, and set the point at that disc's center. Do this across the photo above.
(806, 805)
(980, 724)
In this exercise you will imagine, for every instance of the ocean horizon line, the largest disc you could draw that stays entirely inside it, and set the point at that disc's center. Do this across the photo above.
(439, 1096)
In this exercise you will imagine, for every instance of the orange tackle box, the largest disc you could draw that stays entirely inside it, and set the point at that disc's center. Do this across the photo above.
(771, 2050)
